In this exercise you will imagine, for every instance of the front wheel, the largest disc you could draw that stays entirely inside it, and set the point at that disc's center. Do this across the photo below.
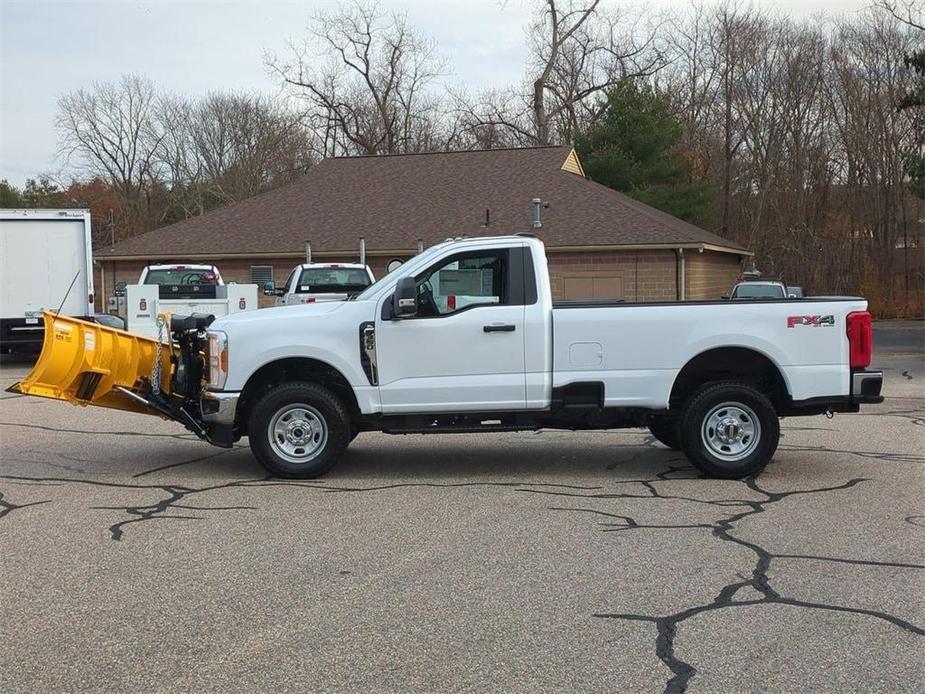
(299, 430)
(729, 430)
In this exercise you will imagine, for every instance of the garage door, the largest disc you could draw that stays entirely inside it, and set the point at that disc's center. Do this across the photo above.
(592, 286)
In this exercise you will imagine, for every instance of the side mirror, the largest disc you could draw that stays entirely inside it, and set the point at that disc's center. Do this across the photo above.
(405, 298)
(724, 296)
(792, 296)
(269, 288)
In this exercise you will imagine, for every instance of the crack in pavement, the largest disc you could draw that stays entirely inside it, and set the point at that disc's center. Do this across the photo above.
(147, 512)
(7, 507)
(667, 625)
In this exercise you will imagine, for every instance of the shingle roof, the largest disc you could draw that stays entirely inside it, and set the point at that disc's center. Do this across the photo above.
(395, 200)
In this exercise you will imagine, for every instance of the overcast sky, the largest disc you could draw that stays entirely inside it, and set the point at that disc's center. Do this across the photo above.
(193, 46)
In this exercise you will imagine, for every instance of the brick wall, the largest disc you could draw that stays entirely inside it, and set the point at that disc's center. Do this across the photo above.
(709, 275)
(628, 275)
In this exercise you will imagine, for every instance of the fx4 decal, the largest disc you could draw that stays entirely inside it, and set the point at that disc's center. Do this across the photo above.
(817, 321)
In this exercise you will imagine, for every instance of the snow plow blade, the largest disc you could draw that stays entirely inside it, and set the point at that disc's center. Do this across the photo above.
(87, 363)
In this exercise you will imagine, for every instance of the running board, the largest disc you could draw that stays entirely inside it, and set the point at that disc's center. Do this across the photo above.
(460, 428)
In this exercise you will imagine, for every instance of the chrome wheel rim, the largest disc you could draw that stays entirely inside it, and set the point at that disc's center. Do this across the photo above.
(297, 433)
(731, 431)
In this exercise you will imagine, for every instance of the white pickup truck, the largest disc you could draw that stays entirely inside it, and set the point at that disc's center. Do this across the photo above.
(311, 283)
(710, 378)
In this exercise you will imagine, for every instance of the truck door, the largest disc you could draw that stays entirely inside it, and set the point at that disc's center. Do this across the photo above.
(464, 350)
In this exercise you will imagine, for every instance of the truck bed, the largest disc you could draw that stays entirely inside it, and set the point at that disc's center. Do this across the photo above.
(637, 350)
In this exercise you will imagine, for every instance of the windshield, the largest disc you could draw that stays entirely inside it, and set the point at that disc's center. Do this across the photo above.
(408, 268)
(758, 291)
(332, 279)
(188, 276)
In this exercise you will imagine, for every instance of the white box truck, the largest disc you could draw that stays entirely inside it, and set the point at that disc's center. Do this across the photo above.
(46, 262)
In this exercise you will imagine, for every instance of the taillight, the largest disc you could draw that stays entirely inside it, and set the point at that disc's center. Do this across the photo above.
(451, 302)
(860, 339)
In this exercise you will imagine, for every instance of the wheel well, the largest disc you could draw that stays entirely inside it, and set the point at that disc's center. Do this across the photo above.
(288, 371)
(730, 364)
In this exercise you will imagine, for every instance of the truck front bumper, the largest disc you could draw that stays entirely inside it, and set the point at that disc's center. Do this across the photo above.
(218, 414)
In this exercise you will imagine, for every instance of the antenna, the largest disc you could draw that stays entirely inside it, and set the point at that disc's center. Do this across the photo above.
(58, 312)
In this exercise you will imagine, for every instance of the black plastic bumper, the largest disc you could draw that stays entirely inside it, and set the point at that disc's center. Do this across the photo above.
(865, 390)
(866, 386)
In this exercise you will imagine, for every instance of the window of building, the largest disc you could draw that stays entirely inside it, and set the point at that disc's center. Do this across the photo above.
(261, 274)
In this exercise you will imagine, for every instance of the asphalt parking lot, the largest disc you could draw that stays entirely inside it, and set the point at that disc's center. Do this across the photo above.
(134, 556)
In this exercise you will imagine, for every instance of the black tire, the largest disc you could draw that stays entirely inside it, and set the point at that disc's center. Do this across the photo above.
(666, 431)
(727, 450)
(324, 436)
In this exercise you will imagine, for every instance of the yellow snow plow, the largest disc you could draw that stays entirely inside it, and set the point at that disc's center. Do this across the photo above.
(86, 363)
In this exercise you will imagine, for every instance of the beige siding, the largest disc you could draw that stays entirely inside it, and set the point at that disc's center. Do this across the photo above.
(709, 275)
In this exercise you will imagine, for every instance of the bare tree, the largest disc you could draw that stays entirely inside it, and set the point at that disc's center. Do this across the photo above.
(112, 132)
(365, 80)
(909, 12)
(577, 52)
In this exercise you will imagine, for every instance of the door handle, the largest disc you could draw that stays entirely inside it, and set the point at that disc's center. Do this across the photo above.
(499, 328)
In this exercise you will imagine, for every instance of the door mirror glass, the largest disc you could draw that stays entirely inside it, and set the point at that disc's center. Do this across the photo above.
(269, 288)
(405, 298)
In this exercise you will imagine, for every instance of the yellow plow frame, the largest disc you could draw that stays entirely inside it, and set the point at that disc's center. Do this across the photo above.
(87, 363)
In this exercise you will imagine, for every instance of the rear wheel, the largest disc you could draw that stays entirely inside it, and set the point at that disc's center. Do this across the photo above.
(299, 430)
(729, 430)
(665, 430)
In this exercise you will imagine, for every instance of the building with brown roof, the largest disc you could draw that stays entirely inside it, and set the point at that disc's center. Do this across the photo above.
(600, 243)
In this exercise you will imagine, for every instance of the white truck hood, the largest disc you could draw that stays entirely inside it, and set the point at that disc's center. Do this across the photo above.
(274, 315)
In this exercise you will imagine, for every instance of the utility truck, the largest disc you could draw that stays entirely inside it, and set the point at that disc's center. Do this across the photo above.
(46, 263)
(182, 288)
(711, 378)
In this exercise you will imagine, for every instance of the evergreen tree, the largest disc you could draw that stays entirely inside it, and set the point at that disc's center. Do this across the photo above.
(10, 196)
(634, 147)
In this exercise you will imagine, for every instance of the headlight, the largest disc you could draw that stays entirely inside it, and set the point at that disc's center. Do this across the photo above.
(218, 359)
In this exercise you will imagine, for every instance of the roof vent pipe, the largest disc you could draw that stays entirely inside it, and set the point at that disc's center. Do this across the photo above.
(537, 213)
(420, 245)
(308, 251)
(362, 251)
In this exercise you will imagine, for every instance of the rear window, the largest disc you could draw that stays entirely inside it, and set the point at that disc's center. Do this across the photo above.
(187, 276)
(758, 291)
(318, 280)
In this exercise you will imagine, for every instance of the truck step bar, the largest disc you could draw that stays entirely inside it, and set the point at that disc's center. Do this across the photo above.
(472, 428)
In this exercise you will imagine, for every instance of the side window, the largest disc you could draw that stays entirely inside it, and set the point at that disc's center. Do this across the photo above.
(463, 281)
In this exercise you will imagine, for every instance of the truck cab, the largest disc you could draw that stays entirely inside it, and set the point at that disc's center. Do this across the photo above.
(759, 289)
(183, 280)
(311, 283)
